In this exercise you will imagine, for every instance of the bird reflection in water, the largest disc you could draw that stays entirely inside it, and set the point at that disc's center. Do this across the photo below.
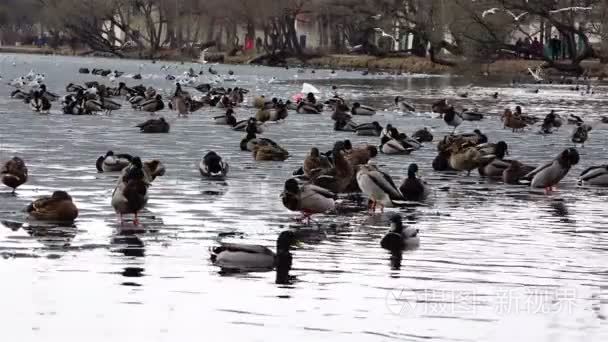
(559, 210)
(128, 243)
(54, 236)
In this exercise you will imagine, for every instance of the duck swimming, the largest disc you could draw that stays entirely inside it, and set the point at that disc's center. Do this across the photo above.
(154, 126)
(359, 109)
(213, 167)
(39, 103)
(113, 163)
(404, 106)
(399, 238)
(595, 175)
(14, 173)
(550, 174)
(581, 134)
(56, 208)
(236, 257)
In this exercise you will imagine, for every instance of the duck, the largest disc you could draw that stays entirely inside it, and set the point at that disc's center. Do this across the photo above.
(369, 129)
(452, 118)
(550, 174)
(307, 198)
(404, 106)
(109, 105)
(58, 207)
(243, 126)
(39, 103)
(394, 146)
(20, 94)
(307, 108)
(154, 126)
(423, 135)
(359, 109)
(340, 176)
(512, 121)
(153, 105)
(515, 172)
(595, 175)
(47, 94)
(236, 257)
(441, 162)
(361, 155)
(251, 140)
(496, 166)
(130, 195)
(471, 115)
(267, 152)
(378, 186)
(213, 167)
(440, 106)
(345, 126)
(226, 119)
(468, 158)
(14, 173)
(399, 238)
(581, 134)
(111, 162)
(414, 188)
(315, 163)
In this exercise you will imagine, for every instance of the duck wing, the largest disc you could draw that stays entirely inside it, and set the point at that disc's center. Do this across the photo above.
(317, 190)
(534, 172)
(237, 247)
(385, 182)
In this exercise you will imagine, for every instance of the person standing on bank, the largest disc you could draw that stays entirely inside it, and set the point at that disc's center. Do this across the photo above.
(555, 44)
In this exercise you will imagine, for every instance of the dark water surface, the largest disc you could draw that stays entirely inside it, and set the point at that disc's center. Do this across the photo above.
(496, 262)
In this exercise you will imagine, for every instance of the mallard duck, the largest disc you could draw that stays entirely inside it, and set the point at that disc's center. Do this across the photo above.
(226, 119)
(496, 166)
(153, 105)
(452, 118)
(268, 152)
(213, 167)
(14, 173)
(440, 106)
(467, 158)
(109, 105)
(307, 198)
(471, 115)
(131, 193)
(47, 94)
(515, 172)
(423, 135)
(113, 163)
(39, 103)
(339, 177)
(315, 163)
(341, 113)
(57, 208)
(581, 134)
(359, 109)
(236, 257)
(394, 146)
(548, 175)
(154, 126)
(369, 129)
(345, 126)
(263, 115)
(441, 162)
(307, 108)
(404, 106)
(378, 186)
(399, 238)
(512, 121)
(361, 155)
(595, 175)
(250, 141)
(413, 188)
(242, 126)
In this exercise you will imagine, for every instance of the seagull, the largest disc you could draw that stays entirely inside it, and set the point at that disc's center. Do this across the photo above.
(576, 8)
(384, 34)
(490, 11)
(516, 17)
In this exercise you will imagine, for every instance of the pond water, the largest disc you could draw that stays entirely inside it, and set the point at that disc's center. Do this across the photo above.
(495, 262)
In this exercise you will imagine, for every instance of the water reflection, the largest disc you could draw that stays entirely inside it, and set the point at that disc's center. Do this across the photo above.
(128, 243)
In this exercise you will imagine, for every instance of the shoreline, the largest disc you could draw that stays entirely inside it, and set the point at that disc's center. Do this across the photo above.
(410, 64)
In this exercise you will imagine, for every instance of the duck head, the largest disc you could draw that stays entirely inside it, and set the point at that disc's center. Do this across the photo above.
(412, 170)
(356, 105)
(396, 223)
(314, 152)
(501, 149)
(569, 157)
(61, 196)
(136, 162)
(347, 145)
(285, 240)
(373, 151)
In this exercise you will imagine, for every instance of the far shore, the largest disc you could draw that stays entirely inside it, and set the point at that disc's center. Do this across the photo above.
(411, 64)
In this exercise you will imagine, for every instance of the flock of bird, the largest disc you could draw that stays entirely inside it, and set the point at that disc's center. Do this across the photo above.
(320, 184)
